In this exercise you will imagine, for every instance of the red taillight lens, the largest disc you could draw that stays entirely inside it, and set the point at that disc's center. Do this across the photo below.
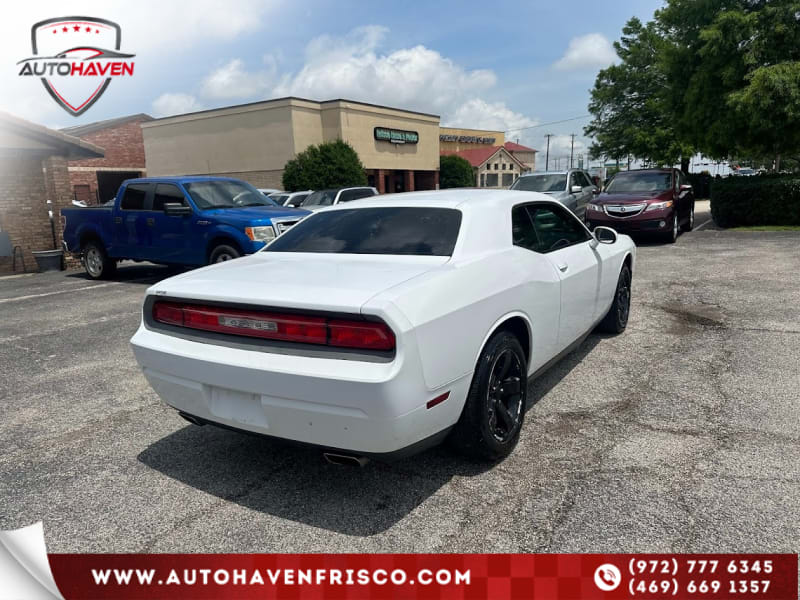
(164, 312)
(283, 327)
(360, 334)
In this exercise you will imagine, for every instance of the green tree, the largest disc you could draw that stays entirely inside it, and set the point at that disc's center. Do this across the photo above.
(328, 165)
(630, 112)
(732, 68)
(455, 172)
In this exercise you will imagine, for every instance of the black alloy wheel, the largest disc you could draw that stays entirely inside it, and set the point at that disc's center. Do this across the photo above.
(493, 414)
(616, 320)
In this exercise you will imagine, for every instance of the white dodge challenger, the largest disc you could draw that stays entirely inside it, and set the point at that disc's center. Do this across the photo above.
(380, 327)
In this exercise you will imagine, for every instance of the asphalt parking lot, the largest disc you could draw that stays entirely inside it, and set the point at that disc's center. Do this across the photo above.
(679, 435)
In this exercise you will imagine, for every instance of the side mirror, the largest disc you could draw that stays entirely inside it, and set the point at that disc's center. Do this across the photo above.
(575, 189)
(605, 235)
(596, 191)
(176, 209)
(686, 187)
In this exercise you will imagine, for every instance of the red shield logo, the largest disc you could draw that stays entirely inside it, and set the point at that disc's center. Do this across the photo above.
(76, 58)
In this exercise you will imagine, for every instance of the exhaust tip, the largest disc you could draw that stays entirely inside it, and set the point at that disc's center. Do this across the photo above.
(350, 460)
(193, 420)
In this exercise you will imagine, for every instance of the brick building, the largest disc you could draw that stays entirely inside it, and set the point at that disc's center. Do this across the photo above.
(34, 181)
(96, 180)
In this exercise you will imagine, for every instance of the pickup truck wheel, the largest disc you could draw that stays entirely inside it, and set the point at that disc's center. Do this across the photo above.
(491, 421)
(222, 253)
(97, 263)
(617, 318)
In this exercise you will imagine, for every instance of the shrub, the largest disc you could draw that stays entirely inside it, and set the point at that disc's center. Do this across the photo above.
(760, 200)
(329, 165)
(455, 172)
(701, 182)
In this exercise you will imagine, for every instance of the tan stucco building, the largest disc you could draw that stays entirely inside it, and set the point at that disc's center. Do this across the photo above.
(399, 148)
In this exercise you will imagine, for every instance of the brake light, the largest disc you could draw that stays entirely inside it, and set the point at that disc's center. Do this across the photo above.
(365, 335)
(360, 334)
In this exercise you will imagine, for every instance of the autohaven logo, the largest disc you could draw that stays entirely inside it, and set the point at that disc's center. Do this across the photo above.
(76, 58)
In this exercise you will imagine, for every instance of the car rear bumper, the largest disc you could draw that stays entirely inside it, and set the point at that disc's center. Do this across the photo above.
(371, 408)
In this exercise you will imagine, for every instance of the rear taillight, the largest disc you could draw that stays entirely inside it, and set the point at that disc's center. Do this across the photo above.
(365, 335)
(360, 334)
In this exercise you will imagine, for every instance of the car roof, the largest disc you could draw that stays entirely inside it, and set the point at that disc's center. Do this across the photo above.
(539, 173)
(458, 198)
(659, 170)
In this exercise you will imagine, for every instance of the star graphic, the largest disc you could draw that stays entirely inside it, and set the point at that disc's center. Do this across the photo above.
(97, 31)
(55, 30)
(77, 28)
(64, 29)
(89, 29)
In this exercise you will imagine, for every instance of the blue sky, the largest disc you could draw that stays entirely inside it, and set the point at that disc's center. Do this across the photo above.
(502, 65)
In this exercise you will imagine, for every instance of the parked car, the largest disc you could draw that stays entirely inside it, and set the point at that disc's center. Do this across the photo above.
(322, 198)
(573, 188)
(290, 198)
(174, 220)
(269, 191)
(648, 201)
(378, 328)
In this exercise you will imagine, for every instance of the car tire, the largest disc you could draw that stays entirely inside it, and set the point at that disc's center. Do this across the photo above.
(672, 236)
(223, 253)
(616, 320)
(96, 261)
(491, 421)
(689, 225)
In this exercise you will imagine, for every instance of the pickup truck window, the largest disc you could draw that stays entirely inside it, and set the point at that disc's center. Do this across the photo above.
(166, 192)
(135, 194)
(349, 195)
(225, 194)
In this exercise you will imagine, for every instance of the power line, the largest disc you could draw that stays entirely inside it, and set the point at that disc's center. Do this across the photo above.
(550, 123)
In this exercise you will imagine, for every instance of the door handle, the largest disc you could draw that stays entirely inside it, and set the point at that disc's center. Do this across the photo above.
(563, 267)
(117, 220)
(151, 222)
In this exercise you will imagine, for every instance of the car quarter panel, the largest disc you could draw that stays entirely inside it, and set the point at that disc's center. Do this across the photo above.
(454, 310)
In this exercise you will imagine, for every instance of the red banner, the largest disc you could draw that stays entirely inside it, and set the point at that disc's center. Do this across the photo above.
(434, 576)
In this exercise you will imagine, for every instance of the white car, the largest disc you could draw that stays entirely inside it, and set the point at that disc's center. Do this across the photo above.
(378, 328)
(294, 199)
(331, 197)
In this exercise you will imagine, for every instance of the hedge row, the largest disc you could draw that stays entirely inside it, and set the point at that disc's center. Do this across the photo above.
(760, 200)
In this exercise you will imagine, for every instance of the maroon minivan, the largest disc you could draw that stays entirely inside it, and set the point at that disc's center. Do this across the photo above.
(646, 201)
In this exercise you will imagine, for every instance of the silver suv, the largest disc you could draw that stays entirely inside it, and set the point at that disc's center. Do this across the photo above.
(573, 187)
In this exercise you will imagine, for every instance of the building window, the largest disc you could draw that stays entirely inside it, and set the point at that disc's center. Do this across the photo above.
(491, 179)
(496, 166)
(81, 193)
(508, 179)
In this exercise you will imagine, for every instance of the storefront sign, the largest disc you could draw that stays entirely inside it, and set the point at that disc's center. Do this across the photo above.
(466, 139)
(396, 136)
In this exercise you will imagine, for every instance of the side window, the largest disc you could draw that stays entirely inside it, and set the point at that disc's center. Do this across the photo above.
(133, 199)
(166, 192)
(586, 181)
(556, 228)
(574, 180)
(522, 232)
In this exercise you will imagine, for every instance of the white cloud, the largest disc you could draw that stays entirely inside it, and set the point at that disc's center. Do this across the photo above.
(589, 51)
(175, 104)
(416, 78)
(232, 80)
(479, 114)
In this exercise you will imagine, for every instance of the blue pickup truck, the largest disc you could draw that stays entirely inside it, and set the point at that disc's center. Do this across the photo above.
(174, 220)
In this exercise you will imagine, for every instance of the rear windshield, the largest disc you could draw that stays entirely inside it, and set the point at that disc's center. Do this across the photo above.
(384, 230)
(652, 181)
(541, 183)
(321, 198)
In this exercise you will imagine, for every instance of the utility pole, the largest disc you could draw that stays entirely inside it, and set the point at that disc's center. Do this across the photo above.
(571, 149)
(547, 154)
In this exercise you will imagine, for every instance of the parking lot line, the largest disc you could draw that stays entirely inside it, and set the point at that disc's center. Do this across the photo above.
(44, 294)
